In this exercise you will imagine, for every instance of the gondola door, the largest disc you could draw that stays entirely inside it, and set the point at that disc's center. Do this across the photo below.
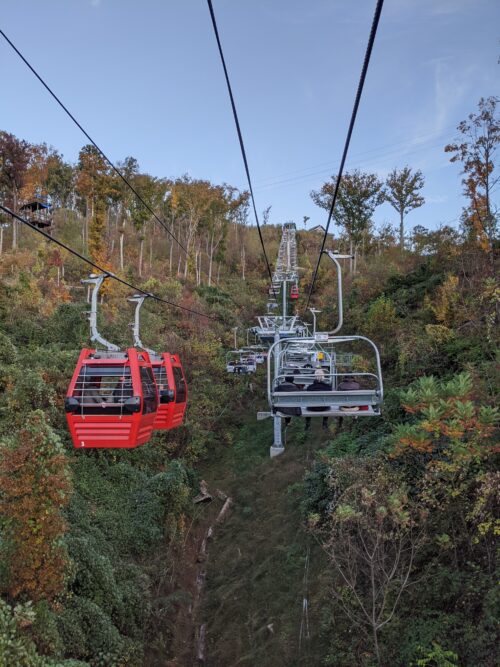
(172, 390)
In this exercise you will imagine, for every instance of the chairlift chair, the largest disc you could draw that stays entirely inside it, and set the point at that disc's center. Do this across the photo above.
(333, 400)
(240, 362)
(329, 385)
(286, 327)
(259, 352)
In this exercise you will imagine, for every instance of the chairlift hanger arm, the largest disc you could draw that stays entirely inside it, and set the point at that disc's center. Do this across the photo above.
(139, 299)
(97, 281)
(335, 257)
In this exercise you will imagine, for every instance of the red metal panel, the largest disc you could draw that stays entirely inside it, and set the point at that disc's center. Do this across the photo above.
(123, 430)
(98, 431)
(170, 415)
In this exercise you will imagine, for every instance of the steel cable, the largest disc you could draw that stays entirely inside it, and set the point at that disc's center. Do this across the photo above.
(63, 245)
(111, 164)
(240, 139)
(366, 62)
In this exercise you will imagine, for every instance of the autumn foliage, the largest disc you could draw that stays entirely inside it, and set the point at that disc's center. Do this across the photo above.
(448, 419)
(34, 486)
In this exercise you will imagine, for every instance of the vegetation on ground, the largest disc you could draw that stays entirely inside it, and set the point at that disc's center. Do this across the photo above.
(394, 519)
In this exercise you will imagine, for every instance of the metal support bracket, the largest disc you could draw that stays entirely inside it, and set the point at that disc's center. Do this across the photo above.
(335, 257)
(139, 299)
(97, 281)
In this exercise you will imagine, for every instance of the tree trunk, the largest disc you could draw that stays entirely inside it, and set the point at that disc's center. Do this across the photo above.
(401, 231)
(243, 262)
(141, 248)
(197, 264)
(14, 221)
(171, 258)
(210, 261)
(351, 259)
(1, 240)
(121, 249)
(375, 643)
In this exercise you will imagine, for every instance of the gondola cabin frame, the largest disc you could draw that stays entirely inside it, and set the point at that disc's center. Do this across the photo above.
(125, 415)
(172, 391)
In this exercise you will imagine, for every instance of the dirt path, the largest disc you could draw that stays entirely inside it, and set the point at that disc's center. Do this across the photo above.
(240, 573)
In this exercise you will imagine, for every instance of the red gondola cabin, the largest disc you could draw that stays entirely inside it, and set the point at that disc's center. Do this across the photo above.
(294, 292)
(112, 399)
(172, 391)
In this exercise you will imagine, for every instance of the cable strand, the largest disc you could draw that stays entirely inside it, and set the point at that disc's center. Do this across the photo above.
(75, 121)
(240, 139)
(366, 62)
(63, 245)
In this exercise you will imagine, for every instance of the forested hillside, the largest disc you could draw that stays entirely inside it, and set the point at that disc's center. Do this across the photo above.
(387, 527)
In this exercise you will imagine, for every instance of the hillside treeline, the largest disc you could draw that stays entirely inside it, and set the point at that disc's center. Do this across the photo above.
(404, 507)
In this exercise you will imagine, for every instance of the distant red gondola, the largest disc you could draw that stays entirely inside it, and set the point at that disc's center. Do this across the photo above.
(294, 292)
(112, 399)
(172, 391)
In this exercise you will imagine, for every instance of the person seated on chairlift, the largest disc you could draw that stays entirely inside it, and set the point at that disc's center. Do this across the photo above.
(122, 391)
(93, 393)
(319, 384)
(289, 385)
(348, 384)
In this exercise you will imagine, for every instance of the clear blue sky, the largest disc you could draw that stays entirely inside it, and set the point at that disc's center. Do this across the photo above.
(144, 78)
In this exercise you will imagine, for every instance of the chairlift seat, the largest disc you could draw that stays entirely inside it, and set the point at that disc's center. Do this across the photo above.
(337, 403)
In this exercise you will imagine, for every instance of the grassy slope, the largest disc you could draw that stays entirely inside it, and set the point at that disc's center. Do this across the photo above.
(253, 599)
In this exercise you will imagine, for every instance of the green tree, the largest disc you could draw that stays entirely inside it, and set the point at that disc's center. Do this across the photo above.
(359, 195)
(95, 185)
(35, 487)
(476, 149)
(151, 192)
(371, 538)
(60, 180)
(403, 194)
(15, 155)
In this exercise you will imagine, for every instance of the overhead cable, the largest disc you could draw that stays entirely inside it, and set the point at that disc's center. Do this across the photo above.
(111, 164)
(366, 62)
(100, 268)
(240, 139)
